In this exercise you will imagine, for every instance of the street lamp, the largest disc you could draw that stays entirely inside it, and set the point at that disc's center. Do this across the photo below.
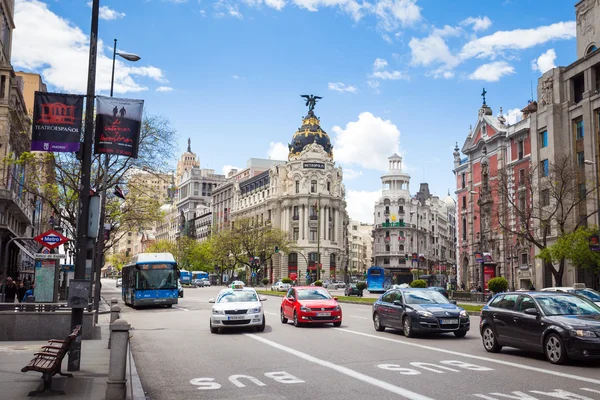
(127, 56)
(481, 245)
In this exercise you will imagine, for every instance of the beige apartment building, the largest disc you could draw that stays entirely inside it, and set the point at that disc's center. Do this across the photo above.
(360, 247)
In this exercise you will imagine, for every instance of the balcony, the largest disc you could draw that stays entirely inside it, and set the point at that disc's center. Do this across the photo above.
(295, 217)
(15, 206)
(313, 217)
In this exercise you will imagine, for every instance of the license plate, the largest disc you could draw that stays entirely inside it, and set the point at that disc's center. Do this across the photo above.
(235, 318)
(449, 321)
(323, 314)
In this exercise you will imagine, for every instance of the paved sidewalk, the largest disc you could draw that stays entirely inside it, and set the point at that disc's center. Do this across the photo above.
(87, 384)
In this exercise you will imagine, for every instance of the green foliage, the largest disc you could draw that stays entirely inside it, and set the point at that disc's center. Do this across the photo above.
(287, 280)
(498, 285)
(419, 283)
(318, 283)
(190, 255)
(265, 281)
(361, 286)
(117, 260)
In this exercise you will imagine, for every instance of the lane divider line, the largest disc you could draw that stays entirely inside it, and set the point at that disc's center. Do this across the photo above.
(271, 313)
(343, 370)
(491, 360)
(356, 316)
(181, 308)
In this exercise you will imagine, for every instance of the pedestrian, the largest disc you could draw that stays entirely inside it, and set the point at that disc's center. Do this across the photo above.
(532, 288)
(29, 293)
(21, 291)
(10, 291)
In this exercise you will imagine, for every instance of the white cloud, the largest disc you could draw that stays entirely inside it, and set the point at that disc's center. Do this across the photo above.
(518, 39)
(545, 62)
(379, 64)
(393, 13)
(349, 6)
(354, 144)
(350, 174)
(341, 87)
(478, 23)
(360, 204)
(164, 89)
(513, 116)
(227, 168)
(374, 85)
(432, 50)
(227, 8)
(236, 77)
(448, 30)
(492, 72)
(107, 13)
(278, 151)
(389, 75)
(65, 67)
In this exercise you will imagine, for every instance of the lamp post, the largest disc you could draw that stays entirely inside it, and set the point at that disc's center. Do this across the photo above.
(100, 244)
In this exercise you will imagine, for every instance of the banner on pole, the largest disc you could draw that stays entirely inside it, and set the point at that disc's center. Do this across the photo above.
(56, 122)
(118, 124)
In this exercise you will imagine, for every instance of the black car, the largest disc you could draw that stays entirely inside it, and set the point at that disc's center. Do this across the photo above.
(352, 290)
(419, 311)
(561, 325)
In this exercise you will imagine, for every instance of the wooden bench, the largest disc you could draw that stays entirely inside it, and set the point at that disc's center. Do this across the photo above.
(49, 361)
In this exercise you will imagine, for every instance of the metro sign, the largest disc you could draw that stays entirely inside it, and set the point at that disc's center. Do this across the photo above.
(51, 239)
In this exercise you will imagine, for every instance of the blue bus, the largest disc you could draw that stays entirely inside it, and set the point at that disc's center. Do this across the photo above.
(185, 276)
(376, 282)
(150, 279)
(199, 275)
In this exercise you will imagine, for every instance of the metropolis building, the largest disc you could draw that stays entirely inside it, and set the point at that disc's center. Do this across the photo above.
(304, 197)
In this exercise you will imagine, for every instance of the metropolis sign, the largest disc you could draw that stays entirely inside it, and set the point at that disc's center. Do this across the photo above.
(314, 165)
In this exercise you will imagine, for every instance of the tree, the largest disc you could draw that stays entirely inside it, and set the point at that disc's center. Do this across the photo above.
(59, 182)
(547, 203)
(162, 246)
(575, 247)
(118, 260)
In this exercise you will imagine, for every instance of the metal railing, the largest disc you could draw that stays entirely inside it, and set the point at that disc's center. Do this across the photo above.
(38, 307)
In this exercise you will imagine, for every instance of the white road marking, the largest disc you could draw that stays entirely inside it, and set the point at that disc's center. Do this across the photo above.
(271, 313)
(356, 316)
(181, 308)
(346, 371)
(456, 353)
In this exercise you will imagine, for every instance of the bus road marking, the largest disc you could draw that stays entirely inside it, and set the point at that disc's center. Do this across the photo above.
(491, 360)
(181, 308)
(343, 370)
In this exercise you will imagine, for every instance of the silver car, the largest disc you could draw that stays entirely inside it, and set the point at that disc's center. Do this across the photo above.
(237, 307)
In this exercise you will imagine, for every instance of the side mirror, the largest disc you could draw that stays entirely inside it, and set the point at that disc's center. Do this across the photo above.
(335, 298)
(211, 300)
(291, 299)
(532, 311)
(262, 298)
(453, 302)
(397, 303)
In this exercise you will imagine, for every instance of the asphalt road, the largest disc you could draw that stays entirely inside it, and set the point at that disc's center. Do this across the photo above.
(178, 358)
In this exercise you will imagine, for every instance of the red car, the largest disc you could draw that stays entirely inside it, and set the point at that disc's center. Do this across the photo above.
(310, 305)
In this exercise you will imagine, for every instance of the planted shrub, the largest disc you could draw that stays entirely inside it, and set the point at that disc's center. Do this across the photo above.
(361, 286)
(286, 280)
(265, 281)
(498, 285)
(318, 283)
(419, 283)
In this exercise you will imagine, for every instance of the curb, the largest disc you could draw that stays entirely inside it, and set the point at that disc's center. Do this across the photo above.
(135, 388)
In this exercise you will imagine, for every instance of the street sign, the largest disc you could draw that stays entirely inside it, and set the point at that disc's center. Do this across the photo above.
(43, 256)
(51, 239)
(45, 250)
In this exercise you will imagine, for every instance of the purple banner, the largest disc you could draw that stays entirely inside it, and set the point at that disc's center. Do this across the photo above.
(56, 122)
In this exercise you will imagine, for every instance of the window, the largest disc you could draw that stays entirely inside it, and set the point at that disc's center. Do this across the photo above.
(525, 302)
(521, 176)
(578, 88)
(522, 203)
(401, 248)
(544, 139)
(548, 227)
(524, 259)
(545, 197)
(464, 180)
(386, 261)
(297, 186)
(387, 247)
(313, 186)
(464, 229)
(329, 186)
(507, 302)
(464, 202)
(544, 168)
(580, 158)
(387, 233)
(579, 129)
(582, 191)
(296, 215)
(520, 149)
(296, 233)
(313, 234)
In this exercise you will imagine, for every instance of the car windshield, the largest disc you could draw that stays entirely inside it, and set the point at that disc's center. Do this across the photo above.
(313, 294)
(423, 297)
(567, 305)
(589, 293)
(237, 296)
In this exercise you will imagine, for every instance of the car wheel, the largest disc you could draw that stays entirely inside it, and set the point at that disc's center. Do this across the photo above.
(377, 323)
(296, 323)
(213, 329)
(261, 327)
(460, 334)
(337, 324)
(284, 320)
(489, 340)
(407, 327)
(169, 305)
(555, 349)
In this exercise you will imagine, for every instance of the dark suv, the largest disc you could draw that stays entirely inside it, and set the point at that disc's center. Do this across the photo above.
(561, 325)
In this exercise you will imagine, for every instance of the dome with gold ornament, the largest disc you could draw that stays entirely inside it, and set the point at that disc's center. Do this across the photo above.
(310, 132)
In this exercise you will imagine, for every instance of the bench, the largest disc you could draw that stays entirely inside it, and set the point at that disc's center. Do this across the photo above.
(49, 361)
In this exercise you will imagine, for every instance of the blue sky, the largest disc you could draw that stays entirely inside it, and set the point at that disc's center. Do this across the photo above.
(396, 75)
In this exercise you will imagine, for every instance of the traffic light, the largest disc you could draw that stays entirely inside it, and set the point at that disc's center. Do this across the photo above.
(406, 257)
(276, 249)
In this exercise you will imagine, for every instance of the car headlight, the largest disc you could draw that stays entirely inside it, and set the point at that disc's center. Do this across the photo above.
(255, 310)
(217, 311)
(305, 309)
(582, 333)
(464, 314)
(337, 308)
(425, 314)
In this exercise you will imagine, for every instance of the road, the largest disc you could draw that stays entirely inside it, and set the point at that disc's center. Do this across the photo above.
(178, 358)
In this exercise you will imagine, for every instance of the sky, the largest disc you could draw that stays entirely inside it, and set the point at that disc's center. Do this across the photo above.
(396, 76)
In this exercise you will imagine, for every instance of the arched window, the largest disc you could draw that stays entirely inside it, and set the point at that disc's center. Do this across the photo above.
(464, 228)
(591, 49)
(401, 247)
(387, 247)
